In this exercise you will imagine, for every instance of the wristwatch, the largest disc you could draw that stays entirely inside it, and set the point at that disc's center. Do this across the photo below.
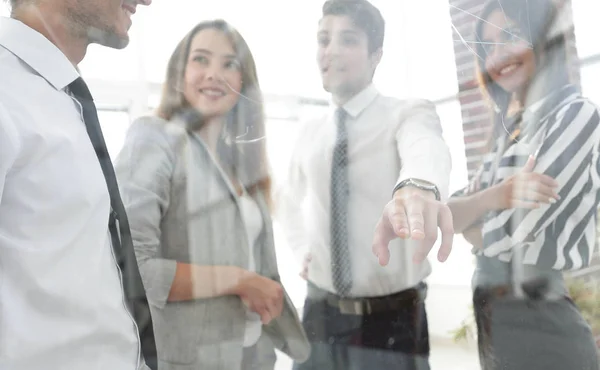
(419, 184)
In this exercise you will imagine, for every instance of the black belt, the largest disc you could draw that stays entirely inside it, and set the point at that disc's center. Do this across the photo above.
(535, 290)
(371, 305)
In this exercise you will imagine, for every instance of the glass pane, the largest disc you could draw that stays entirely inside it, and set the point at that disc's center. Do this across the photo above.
(114, 126)
(418, 57)
(295, 51)
(590, 75)
(587, 27)
(110, 64)
(449, 296)
(451, 119)
(450, 116)
(411, 62)
(419, 61)
(281, 138)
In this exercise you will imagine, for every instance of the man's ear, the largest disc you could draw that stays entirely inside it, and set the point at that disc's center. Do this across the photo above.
(376, 58)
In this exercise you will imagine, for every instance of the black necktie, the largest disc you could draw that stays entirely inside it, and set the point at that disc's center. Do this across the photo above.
(118, 225)
(341, 268)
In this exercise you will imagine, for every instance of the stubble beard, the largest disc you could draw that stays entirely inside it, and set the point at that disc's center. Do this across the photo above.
(88, 26)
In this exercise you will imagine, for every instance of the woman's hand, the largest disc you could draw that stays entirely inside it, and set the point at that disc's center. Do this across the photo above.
(525, 189)
(262, 295)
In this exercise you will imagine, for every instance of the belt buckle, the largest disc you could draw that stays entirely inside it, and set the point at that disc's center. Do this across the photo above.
(350, 307)
(354, 307)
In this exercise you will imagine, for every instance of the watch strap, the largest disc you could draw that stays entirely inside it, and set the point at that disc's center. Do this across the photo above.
(417, 184)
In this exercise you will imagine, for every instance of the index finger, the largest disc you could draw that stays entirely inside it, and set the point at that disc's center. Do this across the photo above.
(414, 211)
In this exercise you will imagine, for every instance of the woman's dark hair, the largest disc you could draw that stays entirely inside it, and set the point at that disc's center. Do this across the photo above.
(535, 18)
(246, 159)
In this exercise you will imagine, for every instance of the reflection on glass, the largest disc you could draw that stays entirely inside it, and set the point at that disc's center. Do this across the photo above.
(419, 61)
(114, 127)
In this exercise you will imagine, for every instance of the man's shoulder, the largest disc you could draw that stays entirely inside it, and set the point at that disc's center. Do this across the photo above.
(13, 93)
(20, 84)
(406, 103)
(393, 112)
(12, 66)
(13, 97)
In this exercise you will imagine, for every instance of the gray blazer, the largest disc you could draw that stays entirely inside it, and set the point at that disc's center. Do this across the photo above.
(181, 209)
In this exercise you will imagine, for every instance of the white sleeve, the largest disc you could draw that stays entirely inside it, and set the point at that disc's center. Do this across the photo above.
(9, 145)
(423, 152)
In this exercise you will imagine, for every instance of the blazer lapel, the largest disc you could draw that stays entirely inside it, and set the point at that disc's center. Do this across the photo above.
(265, 244)
(215, 166)
(218, 191)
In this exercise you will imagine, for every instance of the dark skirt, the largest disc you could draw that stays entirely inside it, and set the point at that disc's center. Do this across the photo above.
(523, 334)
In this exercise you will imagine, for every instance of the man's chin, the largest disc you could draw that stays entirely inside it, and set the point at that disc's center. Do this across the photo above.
(107, 38)
(336, 89)
(329, 87)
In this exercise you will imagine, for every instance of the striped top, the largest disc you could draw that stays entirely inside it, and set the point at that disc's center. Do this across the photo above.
(566, 139)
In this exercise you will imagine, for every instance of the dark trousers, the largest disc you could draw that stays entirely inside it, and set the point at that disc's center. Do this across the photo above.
(526, 334)
(396, 339)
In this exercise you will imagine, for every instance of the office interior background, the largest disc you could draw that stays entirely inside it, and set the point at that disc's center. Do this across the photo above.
(418, 61)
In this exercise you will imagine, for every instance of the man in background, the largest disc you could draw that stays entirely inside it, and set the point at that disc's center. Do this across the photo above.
(358, 314)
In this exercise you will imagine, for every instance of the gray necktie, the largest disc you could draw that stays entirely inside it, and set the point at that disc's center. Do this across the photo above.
(340, 257)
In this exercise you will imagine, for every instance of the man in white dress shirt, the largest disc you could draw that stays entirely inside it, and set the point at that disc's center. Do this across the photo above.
(345, 168)
(62, 302)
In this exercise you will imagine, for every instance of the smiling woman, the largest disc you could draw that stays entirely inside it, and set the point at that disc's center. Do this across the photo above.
(213, 77)
(512, 60)
(213, 73)
(530, 209)
(205, 147)
(509, 56)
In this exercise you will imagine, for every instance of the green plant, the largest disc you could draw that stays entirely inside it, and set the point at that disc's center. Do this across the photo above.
(467, 329)
(586, 295)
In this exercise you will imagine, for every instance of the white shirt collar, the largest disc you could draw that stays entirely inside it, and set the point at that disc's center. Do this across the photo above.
(533, 108)
(360, 101)
(37, 52)
(547, 103)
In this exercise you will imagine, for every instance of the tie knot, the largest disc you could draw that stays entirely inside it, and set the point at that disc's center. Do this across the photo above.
(80, 89)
